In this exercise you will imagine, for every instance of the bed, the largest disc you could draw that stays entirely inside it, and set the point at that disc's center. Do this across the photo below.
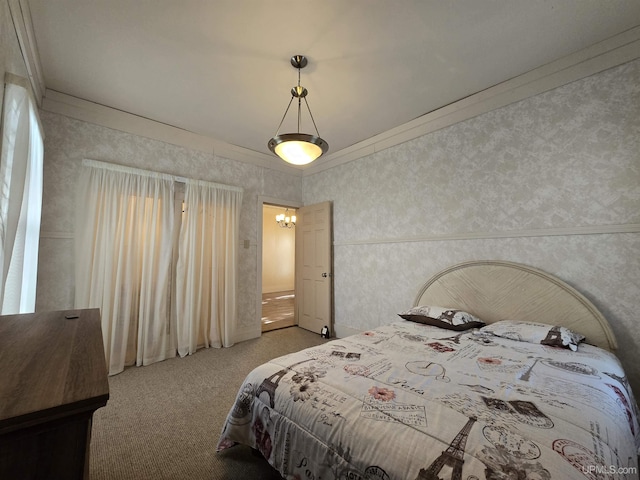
(486, 376)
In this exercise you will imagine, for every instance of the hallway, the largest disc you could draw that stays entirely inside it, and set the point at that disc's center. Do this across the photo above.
(278, 310)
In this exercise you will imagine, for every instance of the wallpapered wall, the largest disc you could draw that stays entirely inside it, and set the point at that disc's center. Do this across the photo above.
(567, 158)
(68, 141)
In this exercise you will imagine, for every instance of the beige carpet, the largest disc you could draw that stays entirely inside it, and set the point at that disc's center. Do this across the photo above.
(163, 421)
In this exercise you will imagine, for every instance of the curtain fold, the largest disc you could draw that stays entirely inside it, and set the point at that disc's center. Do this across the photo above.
(123, 261)
(21, 172)
(206, 270)
(153, 302)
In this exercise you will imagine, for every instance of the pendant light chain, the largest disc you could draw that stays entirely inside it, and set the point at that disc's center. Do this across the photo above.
(284, 116)
(299, 101)
(298, 148)
(311, 115)
(299, 111)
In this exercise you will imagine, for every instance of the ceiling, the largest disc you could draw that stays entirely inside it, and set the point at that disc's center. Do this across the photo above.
(222, 68)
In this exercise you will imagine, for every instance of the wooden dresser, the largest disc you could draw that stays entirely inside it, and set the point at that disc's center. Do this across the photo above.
(53, 376)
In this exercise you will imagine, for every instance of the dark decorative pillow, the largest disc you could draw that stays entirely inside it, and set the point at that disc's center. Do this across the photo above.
(532, 332)
(442, 317)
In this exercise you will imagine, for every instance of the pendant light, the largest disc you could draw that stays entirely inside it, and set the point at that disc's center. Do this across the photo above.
(285, 220)
(298, 148)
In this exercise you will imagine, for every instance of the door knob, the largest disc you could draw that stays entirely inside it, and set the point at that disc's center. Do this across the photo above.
(325, 274)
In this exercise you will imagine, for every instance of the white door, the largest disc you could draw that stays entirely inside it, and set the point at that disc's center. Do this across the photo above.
(314, 262)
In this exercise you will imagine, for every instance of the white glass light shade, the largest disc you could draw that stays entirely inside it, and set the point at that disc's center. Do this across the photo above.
(298, 153)
(298, 148)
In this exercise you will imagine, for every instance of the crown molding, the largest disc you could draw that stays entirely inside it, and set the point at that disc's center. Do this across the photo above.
(601, 56)
(21, 16)
(80, 109)
(609, 53)
(67, 105)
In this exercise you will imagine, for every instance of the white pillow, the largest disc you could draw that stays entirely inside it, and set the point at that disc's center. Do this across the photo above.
(532, 332)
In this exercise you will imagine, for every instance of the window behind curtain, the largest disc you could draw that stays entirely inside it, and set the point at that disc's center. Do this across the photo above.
(20, 198)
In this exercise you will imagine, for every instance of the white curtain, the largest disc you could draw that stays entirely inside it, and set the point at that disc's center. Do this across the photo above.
(20, 198)
(206, 270)
(127, 236)
(124, 230)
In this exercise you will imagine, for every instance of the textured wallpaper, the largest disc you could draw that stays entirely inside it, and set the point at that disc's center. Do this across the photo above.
(512, 184)
(68, 141)
(565, 160)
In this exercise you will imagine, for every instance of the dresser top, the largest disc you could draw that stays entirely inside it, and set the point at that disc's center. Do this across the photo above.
(51, 366)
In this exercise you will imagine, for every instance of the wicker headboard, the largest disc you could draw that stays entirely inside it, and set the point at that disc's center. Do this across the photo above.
(498, 290)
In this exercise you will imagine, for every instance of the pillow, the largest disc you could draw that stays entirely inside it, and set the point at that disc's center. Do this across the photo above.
(442, 317)
(532, 332)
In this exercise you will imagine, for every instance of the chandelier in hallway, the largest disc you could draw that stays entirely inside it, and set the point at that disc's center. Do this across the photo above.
(285, 220)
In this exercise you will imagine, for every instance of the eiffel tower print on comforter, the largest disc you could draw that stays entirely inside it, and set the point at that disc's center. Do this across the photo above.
(411, 401)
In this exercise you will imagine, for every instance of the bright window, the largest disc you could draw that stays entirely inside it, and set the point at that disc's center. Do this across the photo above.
(20, 199)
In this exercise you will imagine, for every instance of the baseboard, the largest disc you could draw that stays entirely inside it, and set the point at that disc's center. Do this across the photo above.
(341, 331)
(247, 333)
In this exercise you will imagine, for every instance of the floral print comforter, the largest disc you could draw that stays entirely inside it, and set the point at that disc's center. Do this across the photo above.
(410, 401)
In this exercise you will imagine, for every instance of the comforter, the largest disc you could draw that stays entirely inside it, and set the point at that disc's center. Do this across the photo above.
(411, 401)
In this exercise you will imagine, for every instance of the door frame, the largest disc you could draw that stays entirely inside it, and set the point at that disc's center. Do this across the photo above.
(278, 202)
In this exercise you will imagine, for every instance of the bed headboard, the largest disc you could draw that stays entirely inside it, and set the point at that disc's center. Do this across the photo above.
(495, 290)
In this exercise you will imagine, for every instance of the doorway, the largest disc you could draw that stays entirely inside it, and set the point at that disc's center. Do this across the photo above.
(278, 267)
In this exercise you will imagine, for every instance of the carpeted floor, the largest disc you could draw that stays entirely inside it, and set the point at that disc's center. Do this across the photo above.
(163, 421)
